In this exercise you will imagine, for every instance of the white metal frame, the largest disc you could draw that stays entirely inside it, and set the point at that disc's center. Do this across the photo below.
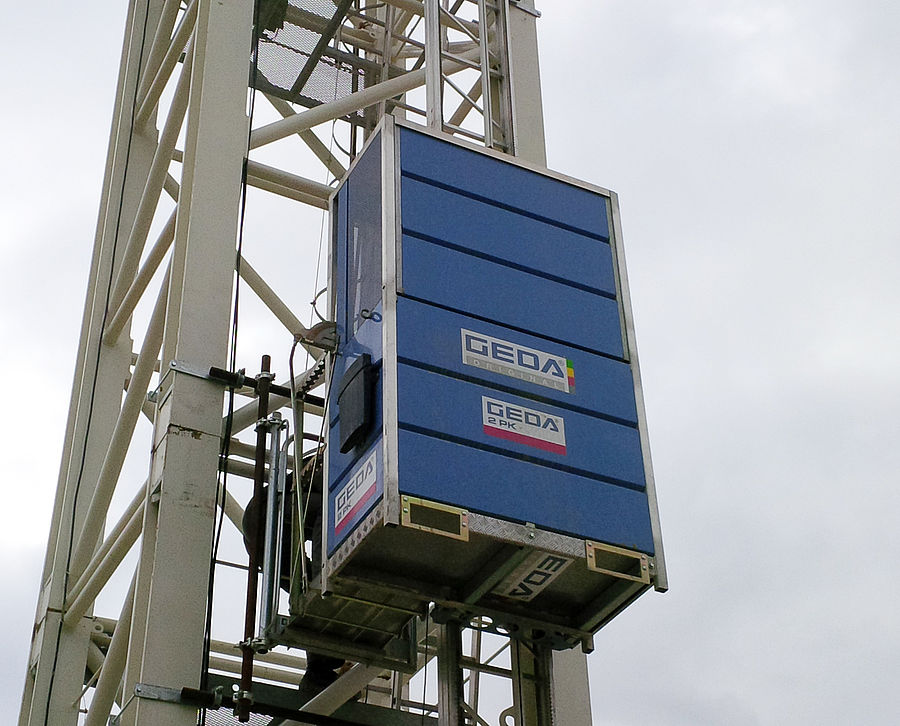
(183, 79)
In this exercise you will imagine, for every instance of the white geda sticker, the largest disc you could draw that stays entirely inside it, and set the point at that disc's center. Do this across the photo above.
(527, 426)
(358, 490)
(517, 361)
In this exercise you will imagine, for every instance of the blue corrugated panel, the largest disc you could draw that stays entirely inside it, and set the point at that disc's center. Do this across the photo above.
(363, 236)
(441, 340)
(520, 491)
(478, 175)
(525, 242)
(358, 273)
(340, 261)
(556, 437)
(492, 291)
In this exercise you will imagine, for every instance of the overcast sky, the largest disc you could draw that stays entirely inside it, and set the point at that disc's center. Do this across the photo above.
(755, 149)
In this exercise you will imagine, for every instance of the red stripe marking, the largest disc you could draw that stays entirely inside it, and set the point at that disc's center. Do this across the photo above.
(527, 440)
(353, 512)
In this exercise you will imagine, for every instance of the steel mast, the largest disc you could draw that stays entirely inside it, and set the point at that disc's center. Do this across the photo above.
(180, 133)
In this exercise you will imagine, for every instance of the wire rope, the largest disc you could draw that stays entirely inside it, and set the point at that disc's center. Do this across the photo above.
(303, 505)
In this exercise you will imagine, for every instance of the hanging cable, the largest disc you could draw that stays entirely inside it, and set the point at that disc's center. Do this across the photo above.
(321, 447)
(315, 300)
(331, 145)
(297, 412)
(303, 503)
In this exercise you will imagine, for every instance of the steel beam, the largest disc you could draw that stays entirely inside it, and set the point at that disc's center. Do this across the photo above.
(349, 104)
(571, 691)
(161, 41)
(434, 87)
(178, 521)
(105, 562)
(123, 313)
(153, 187)
(188, 425)
(310, 139)
(113, 665)
(151, 91)
(525, 84)
(54, 677)
(450, 686)
(121, 437)
(343, 689)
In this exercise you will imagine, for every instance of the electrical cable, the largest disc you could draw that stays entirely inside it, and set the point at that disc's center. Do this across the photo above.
(95, 376)
(331, 145)
(303, 504)
(297, 415)
(338, 144)
(315, 300)
(320, 447)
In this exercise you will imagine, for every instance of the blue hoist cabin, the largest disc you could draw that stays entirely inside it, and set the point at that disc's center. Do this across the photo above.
(487, 449)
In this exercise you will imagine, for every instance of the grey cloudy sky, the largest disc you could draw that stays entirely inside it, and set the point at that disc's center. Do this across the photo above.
(755, 149)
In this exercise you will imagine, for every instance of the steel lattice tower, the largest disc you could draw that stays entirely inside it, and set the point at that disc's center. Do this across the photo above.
(180, 132)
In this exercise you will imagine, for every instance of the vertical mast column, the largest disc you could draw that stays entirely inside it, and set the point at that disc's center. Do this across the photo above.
(171, 603)
(54, 679)
(525, 80)
(570, 691)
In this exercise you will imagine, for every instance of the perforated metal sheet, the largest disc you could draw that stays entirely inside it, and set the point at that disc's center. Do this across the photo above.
(283, 54)
(224, 717)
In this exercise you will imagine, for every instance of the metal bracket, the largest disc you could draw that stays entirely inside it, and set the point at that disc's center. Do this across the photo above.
(179, 366)
(156, 492)
(617, 562)
(257, 645)
(435, 518)
(187, 696)
(321, 335)
(272, 422)
(157, 693)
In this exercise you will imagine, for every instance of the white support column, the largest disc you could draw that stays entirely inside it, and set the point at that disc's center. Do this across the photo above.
(55, 675)
(169, 649)
(571, 691)
(143, 580)
(113, 666)
(433, 85)
(525, 82)
(164, 642)
(571, 695)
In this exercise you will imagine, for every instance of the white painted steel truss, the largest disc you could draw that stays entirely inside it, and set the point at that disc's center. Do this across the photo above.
(159, 310)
